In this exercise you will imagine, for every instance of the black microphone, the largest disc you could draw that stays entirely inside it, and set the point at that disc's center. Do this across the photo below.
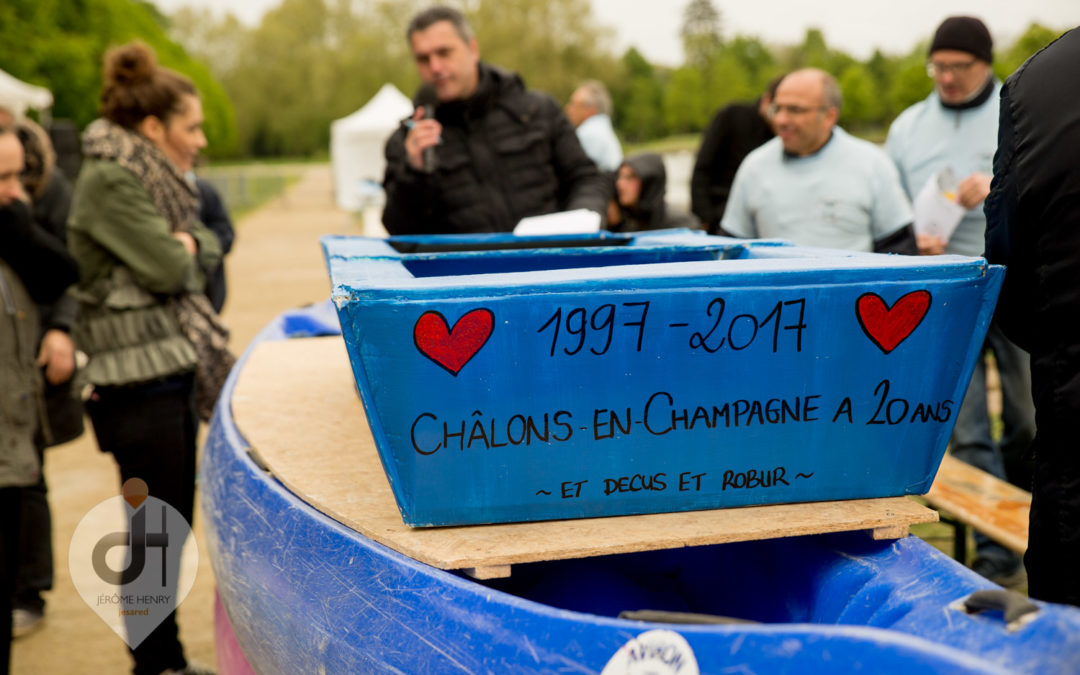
(426, 99)
(429, 152)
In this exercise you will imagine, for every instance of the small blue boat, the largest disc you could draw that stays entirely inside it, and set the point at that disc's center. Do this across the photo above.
(596, 375)
(304, 593)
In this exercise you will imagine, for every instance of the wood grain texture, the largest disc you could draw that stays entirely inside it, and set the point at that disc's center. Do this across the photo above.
(296, 405)
(997, 508)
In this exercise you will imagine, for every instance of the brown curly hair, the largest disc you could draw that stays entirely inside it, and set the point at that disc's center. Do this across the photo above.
(136, 87)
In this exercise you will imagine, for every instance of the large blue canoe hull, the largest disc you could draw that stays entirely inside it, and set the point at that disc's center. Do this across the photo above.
(306, 594)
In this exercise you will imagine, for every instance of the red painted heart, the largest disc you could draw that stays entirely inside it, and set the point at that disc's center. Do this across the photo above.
(453, 348)
(888, 326)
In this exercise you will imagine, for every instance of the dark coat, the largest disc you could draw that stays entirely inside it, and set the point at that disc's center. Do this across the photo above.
(1033, 227)
(40, 271)
(506, 153)
(212, 213)
(50, 195)
(734, 131)
(63, 403)
(651, 212)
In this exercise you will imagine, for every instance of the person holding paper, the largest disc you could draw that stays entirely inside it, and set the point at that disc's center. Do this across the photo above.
(481, 151)
(944, 148)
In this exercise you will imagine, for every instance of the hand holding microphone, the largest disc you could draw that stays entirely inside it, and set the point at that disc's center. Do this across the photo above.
(424, 134)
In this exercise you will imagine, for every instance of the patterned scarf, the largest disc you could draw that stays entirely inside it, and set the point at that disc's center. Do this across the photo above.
(178, 201)
(171, 193)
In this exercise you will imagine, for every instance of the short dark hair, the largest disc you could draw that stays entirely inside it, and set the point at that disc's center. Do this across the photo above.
(771, 87)
(433, 15)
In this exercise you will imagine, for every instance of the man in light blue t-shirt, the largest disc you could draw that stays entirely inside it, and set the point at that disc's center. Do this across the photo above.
(954, 130)
(816, 185)
(589, 110)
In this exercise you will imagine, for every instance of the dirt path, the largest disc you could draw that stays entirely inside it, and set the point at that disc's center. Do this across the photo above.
(276, 264)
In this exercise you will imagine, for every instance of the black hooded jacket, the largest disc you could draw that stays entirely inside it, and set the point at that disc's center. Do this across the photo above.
(651, 212)
(506, 153)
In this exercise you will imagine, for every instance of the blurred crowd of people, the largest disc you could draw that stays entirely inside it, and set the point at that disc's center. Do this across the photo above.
(109, 291)
(482, 152)
(111, 281)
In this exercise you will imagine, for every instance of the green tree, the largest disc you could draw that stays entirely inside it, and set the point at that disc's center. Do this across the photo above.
(214, 42)
(552, 44)
(309, 63)
(1032, 40)
(755, 60)
(815, 53)
(60, 45)
(909, 84)
(686, 107)
(701, 33)
(729, 80)
(639, 103)
(283, 80)
(864, 105)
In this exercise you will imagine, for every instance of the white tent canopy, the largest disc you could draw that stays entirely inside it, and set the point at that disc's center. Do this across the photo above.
(17, 96)
(356, 146)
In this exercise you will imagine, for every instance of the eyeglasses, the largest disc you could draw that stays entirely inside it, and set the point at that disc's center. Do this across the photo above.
(935, 69)
(776, 109)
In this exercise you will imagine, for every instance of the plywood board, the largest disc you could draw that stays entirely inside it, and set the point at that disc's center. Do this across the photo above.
(296, 405)
(992, 506)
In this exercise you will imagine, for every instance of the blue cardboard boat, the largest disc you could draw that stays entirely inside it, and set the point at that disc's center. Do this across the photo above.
(304, 593)
(511, 379)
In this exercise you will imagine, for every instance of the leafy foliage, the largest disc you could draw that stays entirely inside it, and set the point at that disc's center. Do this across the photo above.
(59, 44)
(701, 33)
(1033, 39)
(273, 89)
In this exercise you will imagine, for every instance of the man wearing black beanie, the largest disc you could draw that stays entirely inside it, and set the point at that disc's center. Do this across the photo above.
(946, 144)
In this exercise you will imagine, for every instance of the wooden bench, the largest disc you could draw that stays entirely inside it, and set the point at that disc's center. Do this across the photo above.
(972, 497)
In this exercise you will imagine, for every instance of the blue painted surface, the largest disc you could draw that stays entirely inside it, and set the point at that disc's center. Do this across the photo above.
(612, 374)
(305, 594)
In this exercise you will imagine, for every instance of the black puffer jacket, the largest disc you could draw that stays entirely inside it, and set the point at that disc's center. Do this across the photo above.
(506, 153)
(1033, 227)
(651, 212)
(1033, 211)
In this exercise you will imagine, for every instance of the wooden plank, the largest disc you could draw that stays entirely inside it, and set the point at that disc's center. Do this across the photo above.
(297, 406)
(492, 572)
(990, 505)
(890, 532)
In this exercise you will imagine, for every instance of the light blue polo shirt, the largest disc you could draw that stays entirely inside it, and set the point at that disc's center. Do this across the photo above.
(846, 195)
(927, 137)
(600, 143)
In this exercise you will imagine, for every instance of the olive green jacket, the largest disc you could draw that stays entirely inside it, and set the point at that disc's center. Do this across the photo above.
(20, 383)
(129, 266)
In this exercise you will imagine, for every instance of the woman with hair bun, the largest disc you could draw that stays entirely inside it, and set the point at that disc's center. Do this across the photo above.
(143, 320)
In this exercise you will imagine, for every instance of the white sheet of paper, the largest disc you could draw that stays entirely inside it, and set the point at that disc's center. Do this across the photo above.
(935, 211)
(564, 222)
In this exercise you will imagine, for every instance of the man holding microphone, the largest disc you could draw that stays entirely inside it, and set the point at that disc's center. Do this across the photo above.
(481, 152)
